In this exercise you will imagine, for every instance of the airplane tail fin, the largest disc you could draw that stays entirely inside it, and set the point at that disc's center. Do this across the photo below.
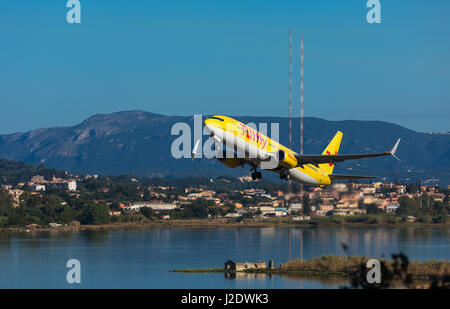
(332, 149)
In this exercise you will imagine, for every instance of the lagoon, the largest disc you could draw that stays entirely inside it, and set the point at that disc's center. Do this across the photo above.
(136, 259)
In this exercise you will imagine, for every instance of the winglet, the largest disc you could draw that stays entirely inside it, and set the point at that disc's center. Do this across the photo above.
(194, 152)
(394, 149)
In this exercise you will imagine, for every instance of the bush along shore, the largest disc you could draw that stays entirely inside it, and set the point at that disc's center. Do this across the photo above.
(140, 222)
(346, 266)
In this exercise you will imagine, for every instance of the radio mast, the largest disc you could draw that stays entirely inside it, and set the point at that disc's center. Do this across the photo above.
(290, 88)
(290, 108)
(301, 94)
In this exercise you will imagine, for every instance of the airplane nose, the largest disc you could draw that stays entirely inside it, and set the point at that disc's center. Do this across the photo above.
(208, 128)
(207, 124)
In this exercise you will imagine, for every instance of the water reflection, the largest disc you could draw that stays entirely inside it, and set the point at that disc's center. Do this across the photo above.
(246, 276)
(332, 281)
(291, 279)
(143, 258)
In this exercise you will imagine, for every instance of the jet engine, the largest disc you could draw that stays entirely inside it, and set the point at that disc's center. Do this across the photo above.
(286, 159)
(232, 162)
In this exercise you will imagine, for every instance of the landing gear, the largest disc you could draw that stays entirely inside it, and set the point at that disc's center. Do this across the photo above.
(285, 175)
(256, 174)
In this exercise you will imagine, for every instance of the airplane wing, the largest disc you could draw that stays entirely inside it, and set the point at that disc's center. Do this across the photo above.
(337, 177)
(319, 159)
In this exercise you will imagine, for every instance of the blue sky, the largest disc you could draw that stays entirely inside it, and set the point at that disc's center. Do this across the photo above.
(224, 57)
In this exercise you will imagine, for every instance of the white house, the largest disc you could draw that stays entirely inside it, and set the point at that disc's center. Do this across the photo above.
(390, 208)
(155, 206)
(38, 187)
(72, 185)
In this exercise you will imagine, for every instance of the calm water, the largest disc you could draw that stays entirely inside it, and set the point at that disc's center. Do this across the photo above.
(142, 259)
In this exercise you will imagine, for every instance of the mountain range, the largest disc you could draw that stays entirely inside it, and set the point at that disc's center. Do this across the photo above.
(139, 143)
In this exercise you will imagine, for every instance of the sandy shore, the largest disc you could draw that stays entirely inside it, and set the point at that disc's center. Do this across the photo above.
(221, 223)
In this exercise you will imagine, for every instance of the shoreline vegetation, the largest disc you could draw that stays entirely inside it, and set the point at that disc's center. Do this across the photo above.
(37, 198)
(338, 266)
(221, 223)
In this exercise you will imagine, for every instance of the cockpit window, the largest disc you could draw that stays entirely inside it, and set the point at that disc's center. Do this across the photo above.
(217, 118)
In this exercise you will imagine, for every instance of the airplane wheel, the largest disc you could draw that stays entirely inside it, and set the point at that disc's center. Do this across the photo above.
(285, 176)
(258, 175)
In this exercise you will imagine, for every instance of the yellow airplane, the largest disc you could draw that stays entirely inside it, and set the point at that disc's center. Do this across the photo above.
(255, 149)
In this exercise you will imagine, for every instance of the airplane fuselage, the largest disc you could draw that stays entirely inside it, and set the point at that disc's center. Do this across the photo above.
(256, 147)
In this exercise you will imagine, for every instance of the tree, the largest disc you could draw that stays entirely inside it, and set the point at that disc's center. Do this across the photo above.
(115, 206)
(440, 212)
(198, 209)
(231, 208)
(306, 204)
(408, 206)
(67, 215)
(16, 219)
(147, 196)
(214, 211)
(372, 209)
(94, 214)
(411, 188)
(6, 204)
(427, 203)
(147, 212)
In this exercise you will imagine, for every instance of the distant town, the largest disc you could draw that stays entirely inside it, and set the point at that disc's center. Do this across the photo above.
(73, 200)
